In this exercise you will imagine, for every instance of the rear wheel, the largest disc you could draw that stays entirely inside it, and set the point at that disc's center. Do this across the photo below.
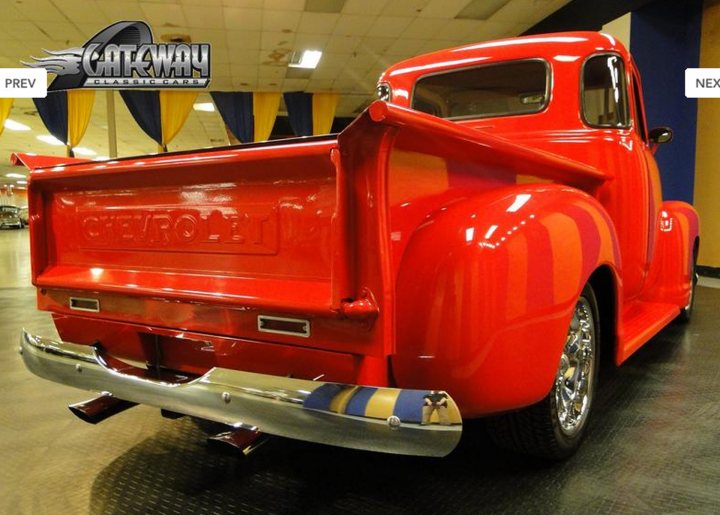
(554, 427)
(686, 312)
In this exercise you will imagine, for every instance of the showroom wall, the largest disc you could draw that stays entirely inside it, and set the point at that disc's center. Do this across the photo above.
(707, 175)
(664, 41)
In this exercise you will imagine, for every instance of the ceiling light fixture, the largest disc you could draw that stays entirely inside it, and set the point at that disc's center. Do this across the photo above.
(207, 107)
(16, 126)
(50, 140)
(21, 182)
(15, 175)
(308, 59)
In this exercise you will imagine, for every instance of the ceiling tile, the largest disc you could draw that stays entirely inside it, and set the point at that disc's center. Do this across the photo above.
(248, 4)
(242, 84)
(388, 26)
(295, 84)
(242, 39)
(376, 45)
(202, 2)
(285, 5)
(242, 19)
(406, 47)
(366, 7)
(62, 31)
(408, 8)
(219, 54)
(220, 70)
(245, 58)
(281, 21)
(269, 84)
(437, 44)
(216, 37)
(354, 84)
(319, 84)
(318, 23)
(22, 31)
(325, 71)
(342, 44)
(45, 10)
(443, 8)
(121, 10)
(206, 17)
(423, 28)
(459, 30)
(272, 40)
(311, 41)
(165, 16)
(353, 25)
(271, 72)
(517, 11)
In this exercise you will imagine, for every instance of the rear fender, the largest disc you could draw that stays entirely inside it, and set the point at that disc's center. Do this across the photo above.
(486, 290)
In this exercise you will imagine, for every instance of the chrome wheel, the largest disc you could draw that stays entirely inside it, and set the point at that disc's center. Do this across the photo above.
(575, 376)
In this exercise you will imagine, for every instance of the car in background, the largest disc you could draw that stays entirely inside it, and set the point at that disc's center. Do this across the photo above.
(10, 217)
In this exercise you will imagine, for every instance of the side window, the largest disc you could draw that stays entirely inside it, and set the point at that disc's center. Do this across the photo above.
(604, 92)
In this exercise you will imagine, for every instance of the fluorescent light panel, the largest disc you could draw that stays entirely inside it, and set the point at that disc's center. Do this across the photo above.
(309, 59)
(50, 140)
(15, 175)
(481, 9)
(15, 126)
(84, 151)
(207, 107)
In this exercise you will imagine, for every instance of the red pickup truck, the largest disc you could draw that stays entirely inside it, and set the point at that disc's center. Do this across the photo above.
(467, 247)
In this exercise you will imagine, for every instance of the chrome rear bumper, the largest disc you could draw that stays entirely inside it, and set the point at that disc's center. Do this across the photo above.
(399, 421)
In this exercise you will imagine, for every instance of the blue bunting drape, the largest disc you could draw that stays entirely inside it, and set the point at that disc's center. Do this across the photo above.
(54, 113)
(144, 106)
(236, 109)
(300, 112)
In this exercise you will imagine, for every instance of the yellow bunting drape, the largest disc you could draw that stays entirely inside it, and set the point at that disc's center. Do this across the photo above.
(707, 180)
(5, 106)
(323, 112)
(175, 107)
(79, 105)
(265, 110)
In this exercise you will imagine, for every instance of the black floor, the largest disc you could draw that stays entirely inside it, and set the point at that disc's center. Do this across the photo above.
(653, 447)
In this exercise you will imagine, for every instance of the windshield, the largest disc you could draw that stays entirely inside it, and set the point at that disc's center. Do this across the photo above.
(511, 88)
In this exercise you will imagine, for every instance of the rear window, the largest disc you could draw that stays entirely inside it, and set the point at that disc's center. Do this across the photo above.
(512, 88)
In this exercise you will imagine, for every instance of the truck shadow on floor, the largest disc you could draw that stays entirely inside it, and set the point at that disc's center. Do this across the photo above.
(635, 457)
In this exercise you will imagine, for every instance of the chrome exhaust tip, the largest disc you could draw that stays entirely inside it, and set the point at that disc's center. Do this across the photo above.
(238, 441)
(98, 409)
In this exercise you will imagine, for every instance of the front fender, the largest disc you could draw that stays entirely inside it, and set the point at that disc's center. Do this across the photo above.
(671, 269)
(486, 288)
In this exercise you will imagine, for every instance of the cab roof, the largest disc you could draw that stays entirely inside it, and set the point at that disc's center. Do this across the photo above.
(548, 46)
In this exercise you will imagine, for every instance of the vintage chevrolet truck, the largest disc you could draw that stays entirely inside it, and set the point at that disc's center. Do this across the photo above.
(468, 247)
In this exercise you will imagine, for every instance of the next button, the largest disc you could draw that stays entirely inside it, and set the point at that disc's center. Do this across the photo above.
(23, 83)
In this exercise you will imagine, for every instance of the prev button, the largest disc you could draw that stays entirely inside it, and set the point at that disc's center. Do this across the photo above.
(23, 83)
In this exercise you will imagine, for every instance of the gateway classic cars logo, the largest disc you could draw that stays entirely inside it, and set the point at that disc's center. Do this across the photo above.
(124, 56)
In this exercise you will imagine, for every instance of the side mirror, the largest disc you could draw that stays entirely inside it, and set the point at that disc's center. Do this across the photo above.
(660, 135)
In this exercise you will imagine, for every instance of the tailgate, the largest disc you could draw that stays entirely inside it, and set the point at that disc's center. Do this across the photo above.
(256, 226)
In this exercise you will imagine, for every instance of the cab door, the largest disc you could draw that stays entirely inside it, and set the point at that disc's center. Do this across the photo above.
(613, 113)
